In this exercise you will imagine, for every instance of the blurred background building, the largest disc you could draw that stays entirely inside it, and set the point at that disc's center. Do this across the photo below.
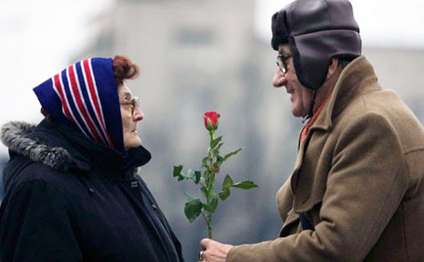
(195, 56)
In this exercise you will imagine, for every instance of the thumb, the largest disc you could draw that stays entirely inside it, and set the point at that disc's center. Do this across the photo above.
(204, 243)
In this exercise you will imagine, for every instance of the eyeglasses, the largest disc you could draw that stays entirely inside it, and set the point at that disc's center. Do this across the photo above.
(282, 62)
(132, 104)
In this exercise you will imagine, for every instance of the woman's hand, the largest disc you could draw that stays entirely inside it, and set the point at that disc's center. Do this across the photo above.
(214, 251)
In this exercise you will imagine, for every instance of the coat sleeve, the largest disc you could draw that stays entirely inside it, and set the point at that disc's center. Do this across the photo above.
(365, 185)
(35, 225)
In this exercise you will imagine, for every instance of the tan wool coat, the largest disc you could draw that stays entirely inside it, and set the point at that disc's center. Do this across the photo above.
(357, 181)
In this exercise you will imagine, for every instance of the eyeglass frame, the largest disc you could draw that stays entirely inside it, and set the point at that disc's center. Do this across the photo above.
(134, 103)
(282, 63)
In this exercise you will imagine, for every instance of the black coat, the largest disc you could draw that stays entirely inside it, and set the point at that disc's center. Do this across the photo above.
(68, 199)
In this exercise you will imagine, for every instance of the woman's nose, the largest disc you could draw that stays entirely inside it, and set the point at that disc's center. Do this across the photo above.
(138, 114)
(279, 78)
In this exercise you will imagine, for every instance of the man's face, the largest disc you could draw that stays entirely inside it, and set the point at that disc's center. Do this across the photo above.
(131, 115)
(300, 97)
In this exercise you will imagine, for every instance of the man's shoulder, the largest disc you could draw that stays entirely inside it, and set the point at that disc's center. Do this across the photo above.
(384, 111)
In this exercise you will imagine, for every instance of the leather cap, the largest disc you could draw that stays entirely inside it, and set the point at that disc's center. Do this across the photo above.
(316, 31)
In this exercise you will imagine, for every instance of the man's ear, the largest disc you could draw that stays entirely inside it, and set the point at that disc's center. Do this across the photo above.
(332, 68)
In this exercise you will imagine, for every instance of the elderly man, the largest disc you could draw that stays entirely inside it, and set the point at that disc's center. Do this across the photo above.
(357, 189)
(72, 192)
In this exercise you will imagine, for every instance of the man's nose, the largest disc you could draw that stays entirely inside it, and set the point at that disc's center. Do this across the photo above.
(138, 114)
(279, 78)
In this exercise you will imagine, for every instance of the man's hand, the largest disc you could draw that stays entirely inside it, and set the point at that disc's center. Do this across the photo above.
(214, 251)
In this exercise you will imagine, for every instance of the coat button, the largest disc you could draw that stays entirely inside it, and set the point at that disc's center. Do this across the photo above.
(134, 184)
(154, 206)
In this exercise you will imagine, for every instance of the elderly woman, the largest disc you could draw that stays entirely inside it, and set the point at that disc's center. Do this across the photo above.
(72, 193)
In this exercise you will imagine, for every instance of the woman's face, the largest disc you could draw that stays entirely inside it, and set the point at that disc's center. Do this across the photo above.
(131, 115)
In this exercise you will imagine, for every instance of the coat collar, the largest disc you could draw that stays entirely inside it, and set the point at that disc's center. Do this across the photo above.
(60, 148)
(357, 78)
(18, 138)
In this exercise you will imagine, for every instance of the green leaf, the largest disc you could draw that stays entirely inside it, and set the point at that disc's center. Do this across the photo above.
(177, 172)
(190, 174)
(215, 151)
(216, 141)
(227, 183)
(235, 152)
(245, 184)
(219, 146)
(193, 209)
(204, 191)
(196, 177)
(205, 162)
(212, 205)
(202, 180)
(189, 196)
(224, 194)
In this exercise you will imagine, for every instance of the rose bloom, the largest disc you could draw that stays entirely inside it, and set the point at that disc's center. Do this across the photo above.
(211, 120)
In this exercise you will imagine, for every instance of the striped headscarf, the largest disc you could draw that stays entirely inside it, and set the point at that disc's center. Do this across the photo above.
(86, 94)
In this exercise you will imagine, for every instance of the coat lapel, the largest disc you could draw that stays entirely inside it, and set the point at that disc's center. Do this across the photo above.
(354, 80)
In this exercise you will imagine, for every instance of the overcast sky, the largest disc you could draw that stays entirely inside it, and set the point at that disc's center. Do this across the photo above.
(38, 37)
(382, 22)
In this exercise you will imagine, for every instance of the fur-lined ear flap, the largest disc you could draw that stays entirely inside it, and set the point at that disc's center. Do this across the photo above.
(17, 137)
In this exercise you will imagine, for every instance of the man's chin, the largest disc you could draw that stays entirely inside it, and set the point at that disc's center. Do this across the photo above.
(296, 113)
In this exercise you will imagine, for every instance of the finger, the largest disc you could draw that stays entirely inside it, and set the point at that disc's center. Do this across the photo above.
(202, 256)
(204, 243)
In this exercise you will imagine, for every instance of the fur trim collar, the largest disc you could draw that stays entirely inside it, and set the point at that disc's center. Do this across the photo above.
(17, 137)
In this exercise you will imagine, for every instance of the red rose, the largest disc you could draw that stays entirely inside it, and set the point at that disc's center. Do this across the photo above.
(211, 120)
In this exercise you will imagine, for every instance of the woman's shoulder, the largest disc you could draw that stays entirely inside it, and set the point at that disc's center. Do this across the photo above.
(22, 172)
